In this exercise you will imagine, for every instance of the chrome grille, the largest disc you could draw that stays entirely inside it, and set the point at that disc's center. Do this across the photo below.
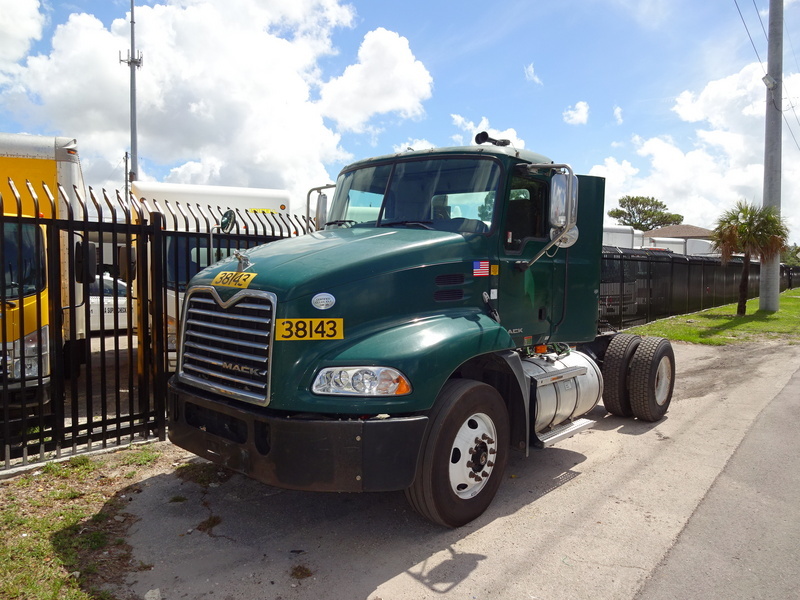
(226, 345)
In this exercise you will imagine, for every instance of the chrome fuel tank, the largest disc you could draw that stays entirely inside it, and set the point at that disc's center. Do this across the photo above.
(563, 387)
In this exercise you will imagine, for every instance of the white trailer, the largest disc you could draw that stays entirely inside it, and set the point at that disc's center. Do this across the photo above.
(191, 215)
(622, 236)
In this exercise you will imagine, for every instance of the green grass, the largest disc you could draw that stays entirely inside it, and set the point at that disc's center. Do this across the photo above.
(141, 456)
(59, 538)
(720, 326)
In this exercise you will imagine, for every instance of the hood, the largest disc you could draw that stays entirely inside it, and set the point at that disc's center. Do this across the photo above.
(303, 265)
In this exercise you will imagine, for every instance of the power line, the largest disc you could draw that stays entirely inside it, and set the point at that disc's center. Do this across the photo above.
(791, 45)
(791, 104)
(766, 37)
(752, 43)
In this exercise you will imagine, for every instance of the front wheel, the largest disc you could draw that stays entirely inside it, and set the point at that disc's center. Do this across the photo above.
(464, 454)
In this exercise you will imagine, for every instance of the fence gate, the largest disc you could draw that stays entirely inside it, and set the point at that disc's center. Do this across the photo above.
(90, 304)
(79, 367)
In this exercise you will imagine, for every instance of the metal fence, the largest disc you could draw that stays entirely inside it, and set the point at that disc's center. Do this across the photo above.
(639, 286)
(90, 299)
(89, 303)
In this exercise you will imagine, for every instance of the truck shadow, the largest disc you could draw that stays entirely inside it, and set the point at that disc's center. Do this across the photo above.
(227, 532)
(605, 421)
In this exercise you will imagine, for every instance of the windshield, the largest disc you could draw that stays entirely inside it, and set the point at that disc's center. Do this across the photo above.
(23, 260)
(188, 254)
(447, 194)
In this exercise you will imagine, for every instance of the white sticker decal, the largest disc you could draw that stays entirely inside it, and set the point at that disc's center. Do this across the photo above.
(323, 301)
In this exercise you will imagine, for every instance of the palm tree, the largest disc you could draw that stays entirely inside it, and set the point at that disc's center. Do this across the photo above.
(751, 231)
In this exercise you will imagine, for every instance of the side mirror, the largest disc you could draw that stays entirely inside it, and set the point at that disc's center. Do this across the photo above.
(563, 201)
(126, 263)
(321, 216)
(228, 221)
(85, 262)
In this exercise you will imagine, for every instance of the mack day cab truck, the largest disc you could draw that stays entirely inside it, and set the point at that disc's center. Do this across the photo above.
(40, 180)
(446, 314)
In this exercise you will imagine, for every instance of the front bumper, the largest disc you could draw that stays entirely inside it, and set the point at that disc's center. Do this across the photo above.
(34, 393)
(315, 454)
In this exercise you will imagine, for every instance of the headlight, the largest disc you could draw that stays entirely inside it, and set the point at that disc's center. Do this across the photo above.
(28, 366)
(361, 381)
(172, 333)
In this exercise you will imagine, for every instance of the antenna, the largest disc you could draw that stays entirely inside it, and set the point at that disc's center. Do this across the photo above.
(134, 61)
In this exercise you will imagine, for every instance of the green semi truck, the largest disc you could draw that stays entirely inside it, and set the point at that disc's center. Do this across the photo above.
(444, 314)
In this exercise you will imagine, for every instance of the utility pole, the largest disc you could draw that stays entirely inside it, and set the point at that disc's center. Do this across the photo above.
(134, 61)
(770, 270)
(127, 183)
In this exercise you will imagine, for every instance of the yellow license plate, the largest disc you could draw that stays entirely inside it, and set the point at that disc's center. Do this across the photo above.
(310, 329)
(233, 279)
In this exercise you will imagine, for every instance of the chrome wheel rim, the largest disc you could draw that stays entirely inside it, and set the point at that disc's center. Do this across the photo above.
(472, 456)
(663, 380)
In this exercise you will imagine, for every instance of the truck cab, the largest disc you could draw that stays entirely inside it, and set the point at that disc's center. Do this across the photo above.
(427, 328)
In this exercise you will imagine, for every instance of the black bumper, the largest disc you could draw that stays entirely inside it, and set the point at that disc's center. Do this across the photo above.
(297, 453)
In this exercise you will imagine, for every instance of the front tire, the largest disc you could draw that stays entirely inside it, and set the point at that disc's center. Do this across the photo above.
(464, 454)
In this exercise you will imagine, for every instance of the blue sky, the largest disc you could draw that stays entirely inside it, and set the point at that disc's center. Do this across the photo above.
(662, 97)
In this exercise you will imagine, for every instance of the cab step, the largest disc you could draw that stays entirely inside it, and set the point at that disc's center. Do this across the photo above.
(562, 432)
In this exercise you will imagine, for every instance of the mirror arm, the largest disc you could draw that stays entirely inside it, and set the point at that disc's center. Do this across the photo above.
(541, 252)
(308, 197)
(571, 218)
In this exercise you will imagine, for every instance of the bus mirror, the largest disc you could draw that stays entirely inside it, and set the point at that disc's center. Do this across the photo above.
(85, 262)
(228, 221)
(126, 263)
(321, 216)
(563, 201)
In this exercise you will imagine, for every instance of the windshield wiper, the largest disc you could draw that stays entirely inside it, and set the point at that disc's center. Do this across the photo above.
(423, 224)
(341, 222)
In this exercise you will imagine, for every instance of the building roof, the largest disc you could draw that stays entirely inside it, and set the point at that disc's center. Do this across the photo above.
(687, 232)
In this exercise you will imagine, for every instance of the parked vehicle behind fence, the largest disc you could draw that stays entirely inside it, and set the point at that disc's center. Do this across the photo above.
(40, 179)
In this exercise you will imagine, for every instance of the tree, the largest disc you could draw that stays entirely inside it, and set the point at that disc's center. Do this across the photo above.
(644, 213)
(751, 231)
(791, 256)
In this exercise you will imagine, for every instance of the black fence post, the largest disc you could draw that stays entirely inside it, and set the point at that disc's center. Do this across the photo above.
(159, 347)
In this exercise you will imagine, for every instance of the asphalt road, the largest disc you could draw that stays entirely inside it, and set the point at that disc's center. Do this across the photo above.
(700, 505)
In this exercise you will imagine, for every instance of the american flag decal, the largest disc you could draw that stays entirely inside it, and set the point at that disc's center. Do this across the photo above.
(480, 268)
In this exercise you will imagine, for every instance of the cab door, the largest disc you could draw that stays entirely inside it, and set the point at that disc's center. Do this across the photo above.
(525, 296)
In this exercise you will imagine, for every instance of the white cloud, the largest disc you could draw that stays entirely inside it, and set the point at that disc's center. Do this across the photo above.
(231, 92)
(726, 103)
(724, 162)
(648, 13)
(415, 144)
(530, 74)
(483, 125)
(618, 115)
(386, 79)
(578, 114)
(20, 24)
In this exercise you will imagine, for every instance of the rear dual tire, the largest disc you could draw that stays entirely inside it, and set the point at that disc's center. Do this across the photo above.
(639, 377)
(652, 379)
(616, 366)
